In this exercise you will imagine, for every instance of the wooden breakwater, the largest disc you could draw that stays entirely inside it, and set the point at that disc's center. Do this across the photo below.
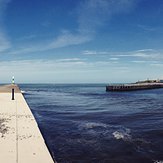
(20, 138)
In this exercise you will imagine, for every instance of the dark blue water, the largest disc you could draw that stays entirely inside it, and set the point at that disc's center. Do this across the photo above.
(83, 123)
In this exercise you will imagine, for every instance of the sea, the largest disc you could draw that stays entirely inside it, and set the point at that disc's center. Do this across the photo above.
(82, 123)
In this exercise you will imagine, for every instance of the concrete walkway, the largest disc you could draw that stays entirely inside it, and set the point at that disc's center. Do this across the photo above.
(20, 137)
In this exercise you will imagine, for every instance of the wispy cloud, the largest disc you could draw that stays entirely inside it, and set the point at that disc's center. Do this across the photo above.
(24, 49)
(3, 5)
(58, 65)
(91, 15)
(145, 50)
(114, 59)
(88, 52)
(91, 52)
(148, 54)
(63, 40)
(67, 39)
(4, 41)
(94, 13)
(69, 60)
(157, 65)
(145, 54)
(28, 37)
(62, 70)
(138, 61)
(146, 28)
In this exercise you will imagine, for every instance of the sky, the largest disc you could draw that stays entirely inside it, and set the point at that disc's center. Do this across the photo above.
(81, 41)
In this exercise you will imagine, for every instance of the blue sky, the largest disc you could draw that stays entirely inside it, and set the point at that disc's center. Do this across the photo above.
(81, 41)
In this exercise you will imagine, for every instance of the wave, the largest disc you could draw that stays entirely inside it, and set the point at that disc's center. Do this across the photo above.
(23, 92)
(92, 125)
(106, 130)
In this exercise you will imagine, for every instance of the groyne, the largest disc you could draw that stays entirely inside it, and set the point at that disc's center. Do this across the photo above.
(20, 138)
(133, 87)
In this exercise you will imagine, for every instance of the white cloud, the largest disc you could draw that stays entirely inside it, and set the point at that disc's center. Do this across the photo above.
(138, 61)
(94, 13)
(67, 39)
(157, 65)
(3, 5)
(145, 54)
(146, 28)
(91, 52)
(4, 41)
(148, 54)
(114, 59)
(145, 50)
(133, 54)
(28, 37)
(58, 65)
(63, 40)
(142, 55)
(29, 49)
(65, 69)
(69, 60)
(91, 15)
(88, 52)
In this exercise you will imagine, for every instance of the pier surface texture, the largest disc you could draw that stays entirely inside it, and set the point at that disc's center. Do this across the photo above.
(20, 138)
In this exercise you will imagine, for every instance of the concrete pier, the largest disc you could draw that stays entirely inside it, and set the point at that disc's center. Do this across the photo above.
(20, 138)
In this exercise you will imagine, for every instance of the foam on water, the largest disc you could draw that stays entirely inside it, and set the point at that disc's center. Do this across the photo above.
(122, 133)
(92, 125)
(106, 130)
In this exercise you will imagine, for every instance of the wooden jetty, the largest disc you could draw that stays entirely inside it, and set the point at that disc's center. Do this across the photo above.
(20, 138)
(150, 84)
